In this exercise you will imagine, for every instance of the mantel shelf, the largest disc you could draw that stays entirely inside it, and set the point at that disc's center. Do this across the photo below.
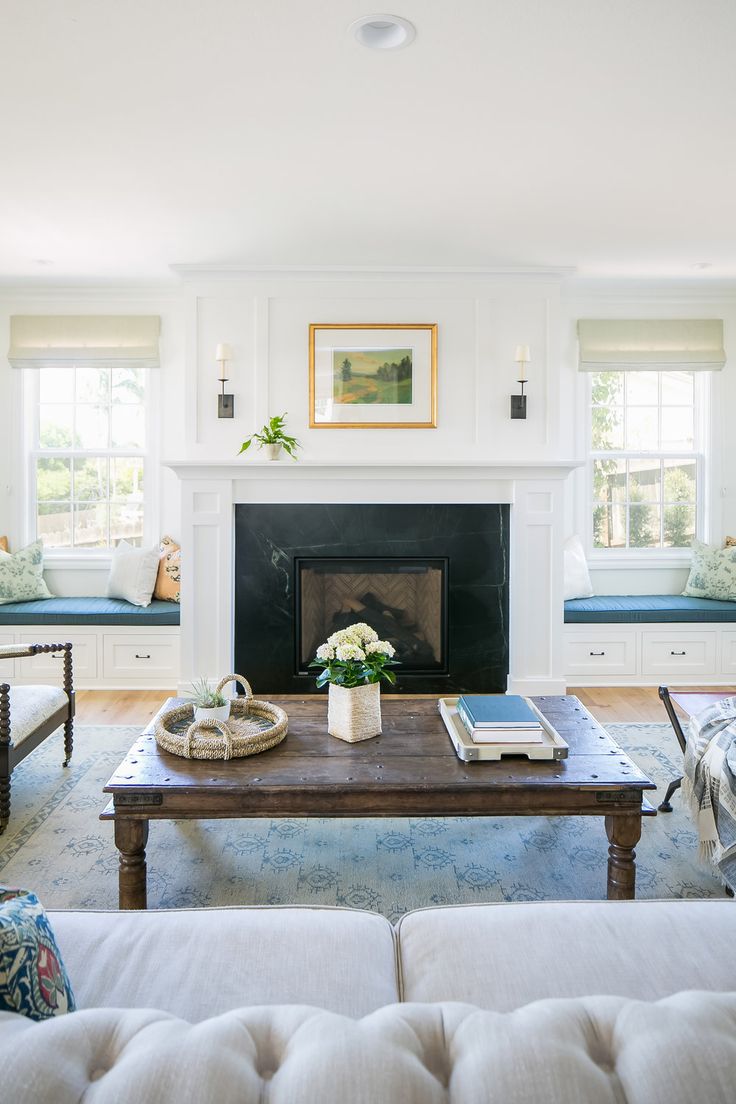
(451, 469)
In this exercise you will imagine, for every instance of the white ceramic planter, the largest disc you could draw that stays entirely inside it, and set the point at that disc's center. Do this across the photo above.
(354, 714)
(220, 713)
(273, 452)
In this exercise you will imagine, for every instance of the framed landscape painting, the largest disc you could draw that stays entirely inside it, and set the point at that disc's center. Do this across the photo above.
(373, 375)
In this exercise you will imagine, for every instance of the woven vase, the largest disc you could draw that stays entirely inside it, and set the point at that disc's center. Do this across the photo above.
(354, 714)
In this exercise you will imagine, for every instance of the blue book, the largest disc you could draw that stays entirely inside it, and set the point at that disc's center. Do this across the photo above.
(496, 711)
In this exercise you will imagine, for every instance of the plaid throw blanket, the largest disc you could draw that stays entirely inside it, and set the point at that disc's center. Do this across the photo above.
(709, 784)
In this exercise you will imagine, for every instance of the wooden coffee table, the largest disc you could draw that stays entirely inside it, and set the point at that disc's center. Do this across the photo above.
(411, 770)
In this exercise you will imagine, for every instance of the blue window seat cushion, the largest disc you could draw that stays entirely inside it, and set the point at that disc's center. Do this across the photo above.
(88, 611)
(638, 609)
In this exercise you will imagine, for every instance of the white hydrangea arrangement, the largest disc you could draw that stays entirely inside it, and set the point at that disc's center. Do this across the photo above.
(354, 657)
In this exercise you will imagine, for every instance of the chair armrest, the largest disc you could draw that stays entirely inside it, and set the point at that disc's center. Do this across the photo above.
(10, 651)
(20, 651)
(15, 651)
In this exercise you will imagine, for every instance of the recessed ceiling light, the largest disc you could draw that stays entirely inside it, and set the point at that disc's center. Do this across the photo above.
(383, 32)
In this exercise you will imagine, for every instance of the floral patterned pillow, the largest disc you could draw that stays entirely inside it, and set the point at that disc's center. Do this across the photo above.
(33, 980)
(168, 580)
(730, 542)
(21, 575)
(712, 573)
(3, 544)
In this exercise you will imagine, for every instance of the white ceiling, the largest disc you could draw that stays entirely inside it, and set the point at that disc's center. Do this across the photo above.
(137, 134)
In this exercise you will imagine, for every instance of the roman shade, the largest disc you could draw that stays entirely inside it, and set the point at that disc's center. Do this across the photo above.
(58, 341)
(646, 345)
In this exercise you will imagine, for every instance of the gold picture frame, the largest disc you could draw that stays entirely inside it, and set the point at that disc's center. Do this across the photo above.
(389, 368)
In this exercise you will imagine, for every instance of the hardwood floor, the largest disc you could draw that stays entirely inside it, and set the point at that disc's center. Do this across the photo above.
(630, 703)
(606, 703)
(119, 707)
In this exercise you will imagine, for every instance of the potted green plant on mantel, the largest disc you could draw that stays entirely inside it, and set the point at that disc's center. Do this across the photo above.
(353, 662)
(273, 438)
(209, 704)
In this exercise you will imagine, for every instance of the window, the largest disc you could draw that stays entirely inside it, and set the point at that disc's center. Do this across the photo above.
(88, 455)
(646, 458)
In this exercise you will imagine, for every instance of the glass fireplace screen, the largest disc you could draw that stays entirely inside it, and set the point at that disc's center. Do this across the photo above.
(404, 600)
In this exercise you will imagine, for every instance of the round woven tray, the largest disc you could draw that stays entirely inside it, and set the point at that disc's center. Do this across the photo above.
(252, 726)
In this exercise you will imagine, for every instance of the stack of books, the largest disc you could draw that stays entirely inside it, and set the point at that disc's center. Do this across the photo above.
(499, 719)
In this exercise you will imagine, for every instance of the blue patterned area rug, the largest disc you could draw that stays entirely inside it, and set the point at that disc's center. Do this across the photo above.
(56, 846)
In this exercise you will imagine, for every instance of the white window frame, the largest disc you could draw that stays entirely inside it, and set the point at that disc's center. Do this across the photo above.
(86, 557)
(652, 557)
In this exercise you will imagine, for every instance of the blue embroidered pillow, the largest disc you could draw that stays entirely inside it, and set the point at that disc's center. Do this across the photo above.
(33, 980)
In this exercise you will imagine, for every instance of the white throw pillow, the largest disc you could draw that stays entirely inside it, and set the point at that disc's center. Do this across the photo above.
(577, 579)
(133, 573)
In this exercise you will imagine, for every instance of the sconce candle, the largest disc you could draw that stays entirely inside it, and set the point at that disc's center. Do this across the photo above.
(522, 358)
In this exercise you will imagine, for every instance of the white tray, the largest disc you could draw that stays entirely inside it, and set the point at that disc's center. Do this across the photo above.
(552, 746)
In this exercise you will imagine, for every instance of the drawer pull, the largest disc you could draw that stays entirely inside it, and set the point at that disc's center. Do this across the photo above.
(597, 653)
(678, 653)
(142, 656)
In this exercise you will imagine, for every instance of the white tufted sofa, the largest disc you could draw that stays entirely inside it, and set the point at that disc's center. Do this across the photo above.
(595, 1002)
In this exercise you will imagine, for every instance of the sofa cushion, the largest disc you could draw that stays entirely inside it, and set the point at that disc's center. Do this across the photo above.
(599, 1050)
(502, 956)
(626, 609)
(88, 611)
(201, 962)
(30, 706)
(33, 981)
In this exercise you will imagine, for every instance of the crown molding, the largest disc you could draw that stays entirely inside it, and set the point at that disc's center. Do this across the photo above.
(664, 288)
(193, 272)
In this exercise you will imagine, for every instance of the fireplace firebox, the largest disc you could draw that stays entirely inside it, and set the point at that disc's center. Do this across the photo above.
(432, 579)
(404, 600)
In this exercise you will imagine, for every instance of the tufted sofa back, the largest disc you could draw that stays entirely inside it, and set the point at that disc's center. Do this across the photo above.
(594, 1050)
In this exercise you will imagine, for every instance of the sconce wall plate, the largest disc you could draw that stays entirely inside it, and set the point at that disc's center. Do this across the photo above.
(518, 406)
(225, 404)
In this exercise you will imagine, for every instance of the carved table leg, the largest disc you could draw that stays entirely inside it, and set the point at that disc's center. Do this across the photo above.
(131, 837)
(623, 835)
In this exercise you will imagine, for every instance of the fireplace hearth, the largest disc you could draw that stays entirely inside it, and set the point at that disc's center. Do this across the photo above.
(432, 579)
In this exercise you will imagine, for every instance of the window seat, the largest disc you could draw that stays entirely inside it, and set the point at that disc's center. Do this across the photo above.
(88, 611)
(116, 645)
(655, 609)
(648, 639)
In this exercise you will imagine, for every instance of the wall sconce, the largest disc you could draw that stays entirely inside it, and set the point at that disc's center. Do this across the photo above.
(518, 402)
(225, 403)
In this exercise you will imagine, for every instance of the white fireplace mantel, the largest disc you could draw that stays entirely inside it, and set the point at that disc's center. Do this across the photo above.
(534, 489)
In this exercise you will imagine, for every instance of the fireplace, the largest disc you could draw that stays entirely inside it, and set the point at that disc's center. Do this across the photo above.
(432, 579)
(403, 599)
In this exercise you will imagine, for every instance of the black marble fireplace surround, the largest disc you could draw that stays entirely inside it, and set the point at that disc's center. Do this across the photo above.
(273, 543)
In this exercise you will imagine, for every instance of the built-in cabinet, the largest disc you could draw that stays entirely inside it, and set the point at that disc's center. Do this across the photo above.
(647, 655)
(105, 656)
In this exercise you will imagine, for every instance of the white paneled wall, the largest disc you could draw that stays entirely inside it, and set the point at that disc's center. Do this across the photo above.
(481, 317)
